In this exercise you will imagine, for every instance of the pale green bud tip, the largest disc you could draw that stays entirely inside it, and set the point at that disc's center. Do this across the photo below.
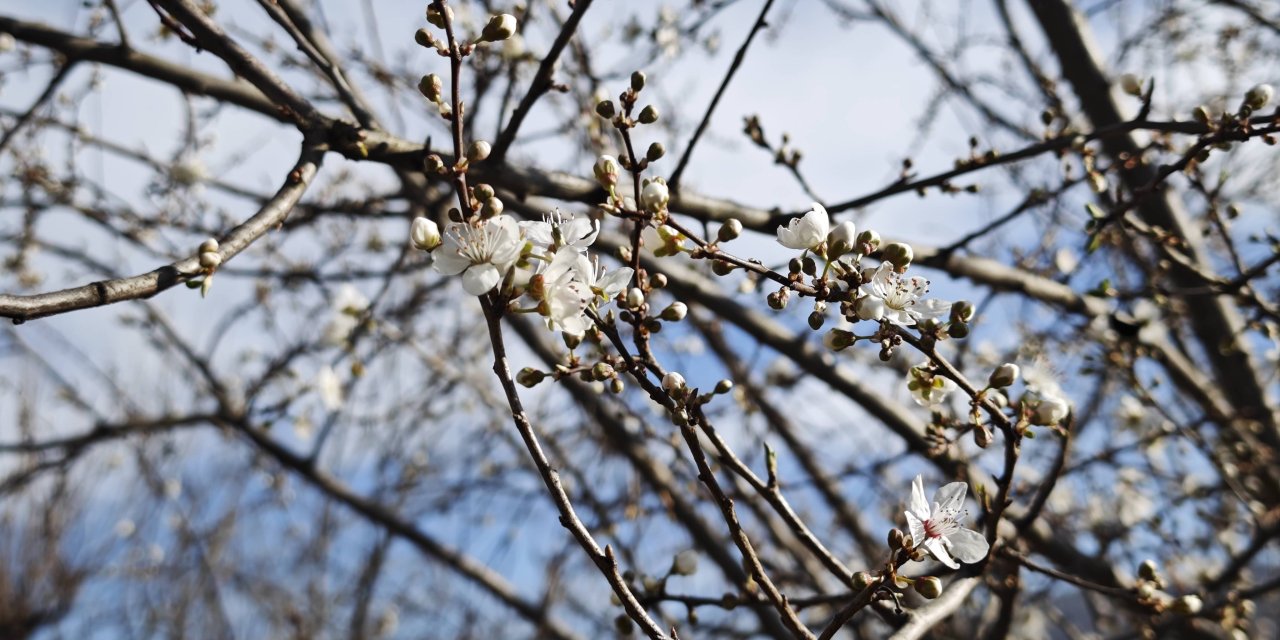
(1131, 84)
(899, 255)
(500, 27)
(424, 234)
(1004, 375)
(1259, 96)
(529, 376)
(685, 563)
(672, 382)
(731, 229)
(602, 371)
(675, 312)
(929, 586)
(870, 238)
(478, 151)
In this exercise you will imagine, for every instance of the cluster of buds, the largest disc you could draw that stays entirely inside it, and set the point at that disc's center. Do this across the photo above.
(210, 260)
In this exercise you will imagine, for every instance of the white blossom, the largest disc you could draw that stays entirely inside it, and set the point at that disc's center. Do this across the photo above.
(557, 230)
(844, 236)
(348, 305)
(329, 387)
(565, 293)
(893, 297)
(655, 195)
(807, 231)
(937, 528)
(482, 252)
(424, 233)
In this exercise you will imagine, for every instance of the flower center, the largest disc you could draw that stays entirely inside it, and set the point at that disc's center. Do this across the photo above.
(940, 527)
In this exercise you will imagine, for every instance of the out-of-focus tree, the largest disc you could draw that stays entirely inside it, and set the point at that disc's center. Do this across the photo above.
(493, 319)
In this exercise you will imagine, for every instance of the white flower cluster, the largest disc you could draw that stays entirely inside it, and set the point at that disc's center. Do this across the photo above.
(546, 260)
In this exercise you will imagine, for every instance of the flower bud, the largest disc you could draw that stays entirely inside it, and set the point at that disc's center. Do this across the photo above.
(1050, 410)
(1188, 605)
(1004, 375)
(870, 238)
(606, 170)
(957, 329)
(208, 245)
(1131, 84)
(655, 195)
(675, 312)
(648, 115)
(841, 239)
(433, 164)
(899, 255)
(655, 152)
(492, 207)
(658, 280)
(861, 580)
(424, 38)
(529, 377)
(730, 230)
(1147, 570)
(482, 191)
(605, 109)
(637, 81)
(778, 299)
(436, 18)
(685, 563)
(616, 386)
(929, 586)
(210, 259)
(424, 234)
(635, 298)
(1259, 96)
(603, 371)
(962, 311)
(673, 382)
(837, 339)
(430, 86)
(500, 27)
(982, 436)
(723, 387)
(1201, 114)
(896, 539)
(816, 319)
(722, 268)
(478, 151)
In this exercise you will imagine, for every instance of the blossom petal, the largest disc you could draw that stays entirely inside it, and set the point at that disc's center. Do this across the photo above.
(479, 279)
(580, 232)
(938, 549)
(968, 546)
(449, 260)
(916, 526)
(949, 500)
(919, 505)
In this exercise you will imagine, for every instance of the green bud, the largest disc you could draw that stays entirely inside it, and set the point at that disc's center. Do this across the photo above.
(529, 377)
(899, 255)
(431, 87)
(500, 27)
(603, 371)
(655, 152)
(721, 268)
(730, 230)
(478, 151)
(928, 586)
(1004, 375)
(962, 311)
(723, 387)
(648, 115)
(605, 109)
(870, 238)
(675, 312)
(637, 81)
(424, 38)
